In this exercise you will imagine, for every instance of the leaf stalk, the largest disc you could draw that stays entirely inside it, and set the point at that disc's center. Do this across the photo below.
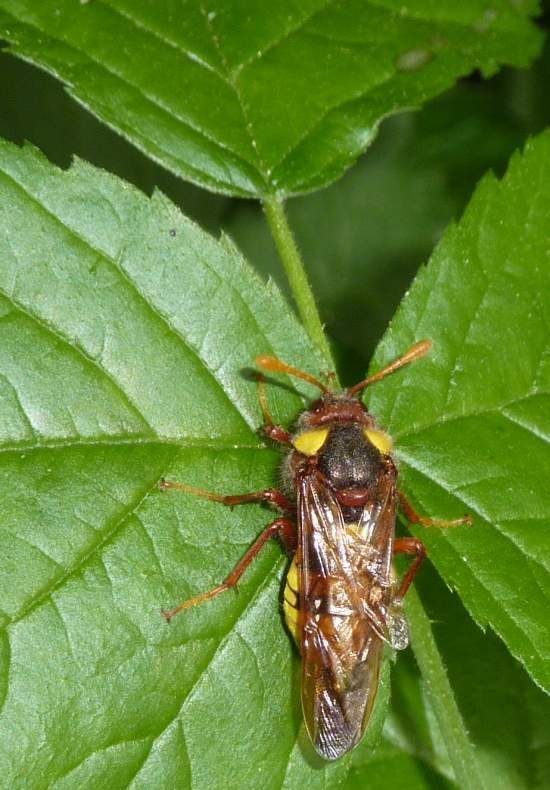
(461, 752)
(296, 275)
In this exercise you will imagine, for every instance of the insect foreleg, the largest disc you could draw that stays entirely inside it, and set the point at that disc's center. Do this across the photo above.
(415, 518)
(269, 495)
(275, 432)
(409, 546)
(281, 526)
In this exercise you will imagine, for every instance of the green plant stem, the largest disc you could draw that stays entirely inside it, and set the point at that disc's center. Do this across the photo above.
(461, 752)
(296, 275)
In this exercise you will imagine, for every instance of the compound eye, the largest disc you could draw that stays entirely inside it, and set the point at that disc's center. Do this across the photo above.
(310, 442)
(381, 440)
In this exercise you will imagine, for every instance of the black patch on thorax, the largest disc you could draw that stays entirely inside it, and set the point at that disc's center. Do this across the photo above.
(348, 460)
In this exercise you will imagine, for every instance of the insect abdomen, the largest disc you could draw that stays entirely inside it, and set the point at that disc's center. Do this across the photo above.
(291, 601)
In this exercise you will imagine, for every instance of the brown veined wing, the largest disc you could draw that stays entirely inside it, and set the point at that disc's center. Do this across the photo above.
(348, 610)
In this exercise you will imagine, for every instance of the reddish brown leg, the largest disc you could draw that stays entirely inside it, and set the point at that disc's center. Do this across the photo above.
(415, 546)
(275, 432)
(415, 518)
(409, 546)
(288, 535)
(281, 526)
(269, 495)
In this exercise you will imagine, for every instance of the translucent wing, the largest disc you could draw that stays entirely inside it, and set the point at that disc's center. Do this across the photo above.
(347, 608)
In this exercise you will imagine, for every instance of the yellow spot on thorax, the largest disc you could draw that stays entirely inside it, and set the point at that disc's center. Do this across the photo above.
(381, 440)
(310, 442)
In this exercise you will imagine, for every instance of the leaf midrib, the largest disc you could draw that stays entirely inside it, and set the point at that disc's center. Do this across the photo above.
(495, 410)
(133, 440)
(231, 77)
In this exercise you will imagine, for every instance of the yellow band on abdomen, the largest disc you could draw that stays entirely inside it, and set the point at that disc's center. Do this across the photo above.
(291, 601)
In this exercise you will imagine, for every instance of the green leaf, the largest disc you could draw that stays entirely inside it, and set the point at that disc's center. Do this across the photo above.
(422, 169)
(125, 330)
(222, 92)
(506, 716)
(471, 420)
(392, 767)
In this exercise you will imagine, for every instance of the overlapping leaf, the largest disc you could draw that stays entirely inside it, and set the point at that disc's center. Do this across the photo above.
(251, 97)
(472, 427)
(506, 716)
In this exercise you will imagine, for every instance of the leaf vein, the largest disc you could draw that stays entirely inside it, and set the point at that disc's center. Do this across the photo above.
(142, 26)
(240, 100)
(133, 440)
(287, 34)
(475, 506)
(49, 328)
(20, 407)
(277, 563)
(448, 418)
(103, 538)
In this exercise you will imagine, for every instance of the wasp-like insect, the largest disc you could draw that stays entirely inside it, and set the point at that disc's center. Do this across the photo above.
(342, 600)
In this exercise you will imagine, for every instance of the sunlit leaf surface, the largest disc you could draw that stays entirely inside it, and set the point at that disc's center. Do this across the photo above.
(473, 425)
(250, 97)
(126, 332)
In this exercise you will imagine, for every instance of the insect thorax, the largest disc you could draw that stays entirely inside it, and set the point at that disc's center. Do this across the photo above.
(348, 459)
(350, 456)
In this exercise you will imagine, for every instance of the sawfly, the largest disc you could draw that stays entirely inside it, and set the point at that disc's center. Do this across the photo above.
(337, 514)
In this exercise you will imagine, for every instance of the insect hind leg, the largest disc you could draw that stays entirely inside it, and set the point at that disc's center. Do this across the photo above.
(281, 526)
(271, 496)
(442, 523)
(409, 546)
